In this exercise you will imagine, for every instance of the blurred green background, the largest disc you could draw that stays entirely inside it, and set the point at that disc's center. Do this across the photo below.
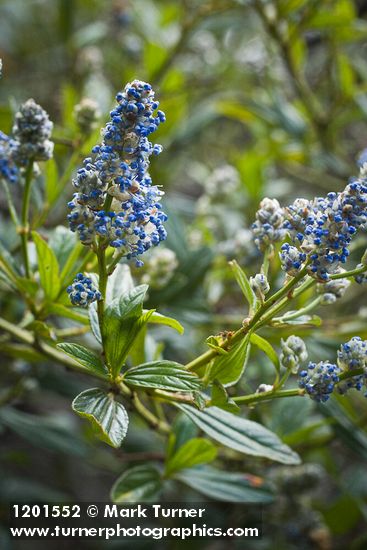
(263, 98)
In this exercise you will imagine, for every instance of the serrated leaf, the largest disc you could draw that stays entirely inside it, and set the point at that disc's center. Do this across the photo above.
(226, 486)
(240, 434)
(228, 369)
(108, 417)
(244, 284)
(137, 484)
(123, 321)
(164, 375)
(84, 357)
(193, 452)
(48, 268)
(159, 319)
(267, 348)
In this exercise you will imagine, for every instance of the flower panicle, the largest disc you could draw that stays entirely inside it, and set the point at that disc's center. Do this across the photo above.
(319, 380)
(115, 199)
(29, 142)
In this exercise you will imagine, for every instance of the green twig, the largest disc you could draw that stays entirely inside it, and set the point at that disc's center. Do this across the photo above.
(266, 395)
(24, 229)
(9, 198)
(234, 338)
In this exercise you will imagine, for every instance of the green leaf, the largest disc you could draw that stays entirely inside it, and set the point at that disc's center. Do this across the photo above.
(221, 399)
(214, 342)
(164, 375)
(344, 427)
(51, 181)
(244, 284)
(264, 345)
(94, 323)
(183, 429)
(108, 417)
(48, 432)
(119, 283)
(138, 484)
(193, 452)
(302, 320)
(77, 314)
(28, 286)
(159, 319)
(228, 369)
(42, 330)
(123, 322)
(71, 264)
(240, 434)
(62, 241)
(84, 357)
(226, 486)
(48, 268)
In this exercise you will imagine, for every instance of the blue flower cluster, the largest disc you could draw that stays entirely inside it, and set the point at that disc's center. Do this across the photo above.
(291, 259)
(9, 171)
(269, 225)
(323, 228)
(293, 353)
(332, 289)
(115, 199)
(32, 131)
(260, 285)
(82, 292)
(30, 141)
(351, 356)
(319, 380)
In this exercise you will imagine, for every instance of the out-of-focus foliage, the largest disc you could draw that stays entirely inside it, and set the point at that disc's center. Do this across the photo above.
(262, 98)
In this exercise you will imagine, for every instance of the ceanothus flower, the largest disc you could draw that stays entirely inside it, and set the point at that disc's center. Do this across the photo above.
(9, 171)
(260, 285)
(86, 115)
(323, 228)
(293, 353)
(31, 131)
(319, 380)
(223, 181)
(332, 289)
(115, 198)
(82, 292)
(351, 356)
(269, 225)
(159, 267)
(291, 259)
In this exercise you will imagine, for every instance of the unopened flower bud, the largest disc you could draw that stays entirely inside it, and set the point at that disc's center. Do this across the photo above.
(260, 285)
(86, 115)
(293, 353)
